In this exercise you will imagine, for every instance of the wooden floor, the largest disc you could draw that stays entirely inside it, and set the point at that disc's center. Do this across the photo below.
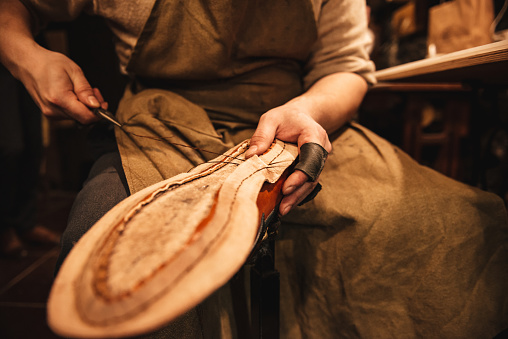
(25, 283)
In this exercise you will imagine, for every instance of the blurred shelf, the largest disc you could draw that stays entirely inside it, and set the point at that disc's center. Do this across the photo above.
(487, 65)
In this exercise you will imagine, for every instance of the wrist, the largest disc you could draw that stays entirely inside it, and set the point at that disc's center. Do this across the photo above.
(17, 44)
(316, 106)
(21, 57)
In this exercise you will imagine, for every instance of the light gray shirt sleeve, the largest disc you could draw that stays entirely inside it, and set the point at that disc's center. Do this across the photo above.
(343, 42)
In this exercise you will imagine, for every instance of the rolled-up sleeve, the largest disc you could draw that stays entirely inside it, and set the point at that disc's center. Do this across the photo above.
(342, 42)
(45, 11)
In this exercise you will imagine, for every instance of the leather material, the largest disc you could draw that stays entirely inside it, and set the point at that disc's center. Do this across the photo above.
(202, 227)
(312, 160)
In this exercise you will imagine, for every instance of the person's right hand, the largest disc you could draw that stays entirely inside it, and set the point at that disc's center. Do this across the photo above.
(59, 87)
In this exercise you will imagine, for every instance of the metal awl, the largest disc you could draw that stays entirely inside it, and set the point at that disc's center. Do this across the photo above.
(107, 115)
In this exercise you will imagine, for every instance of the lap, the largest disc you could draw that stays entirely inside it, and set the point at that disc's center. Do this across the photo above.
(389, 246)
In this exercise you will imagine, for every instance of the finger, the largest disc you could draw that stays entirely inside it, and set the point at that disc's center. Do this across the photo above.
(82, 88)
(49, 110)
(327, 145)
(75, 109)
(293, 182)
(98, 95)
(293, 199)
(262, 137)
(312, 159)
(53, 112)
(314, 133)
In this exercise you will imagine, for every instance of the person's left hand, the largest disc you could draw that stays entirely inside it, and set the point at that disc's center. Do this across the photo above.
(291, 123)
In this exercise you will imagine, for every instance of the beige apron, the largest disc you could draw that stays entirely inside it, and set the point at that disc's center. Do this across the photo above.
(204, 75)
(387, 249)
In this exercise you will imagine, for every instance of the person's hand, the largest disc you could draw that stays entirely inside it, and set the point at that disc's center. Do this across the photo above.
(59, 87)
(289, 123)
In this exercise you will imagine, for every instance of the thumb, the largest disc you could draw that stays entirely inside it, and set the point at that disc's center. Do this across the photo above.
(78, 99)
(261, 139)
(83, 90)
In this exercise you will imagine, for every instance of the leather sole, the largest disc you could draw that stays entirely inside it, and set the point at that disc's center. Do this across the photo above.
(163, 250)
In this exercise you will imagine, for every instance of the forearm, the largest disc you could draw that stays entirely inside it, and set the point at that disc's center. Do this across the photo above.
(57, 85)
(333, 100)
(17, 43)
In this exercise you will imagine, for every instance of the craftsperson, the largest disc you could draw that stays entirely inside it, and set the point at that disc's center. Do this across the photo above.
(384, 250)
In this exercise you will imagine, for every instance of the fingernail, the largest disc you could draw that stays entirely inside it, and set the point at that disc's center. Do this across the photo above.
(251, 151)
(289, 190)
(286, 210)
(93, 101)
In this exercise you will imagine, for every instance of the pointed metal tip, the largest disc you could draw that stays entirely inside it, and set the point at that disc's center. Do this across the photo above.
(107, 115)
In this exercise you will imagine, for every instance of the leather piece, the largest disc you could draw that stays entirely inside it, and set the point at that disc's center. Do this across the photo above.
(114, 285)
(312, 160)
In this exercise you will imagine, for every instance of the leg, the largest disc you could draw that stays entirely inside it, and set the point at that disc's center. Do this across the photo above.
(390, 247)
(104, 188)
